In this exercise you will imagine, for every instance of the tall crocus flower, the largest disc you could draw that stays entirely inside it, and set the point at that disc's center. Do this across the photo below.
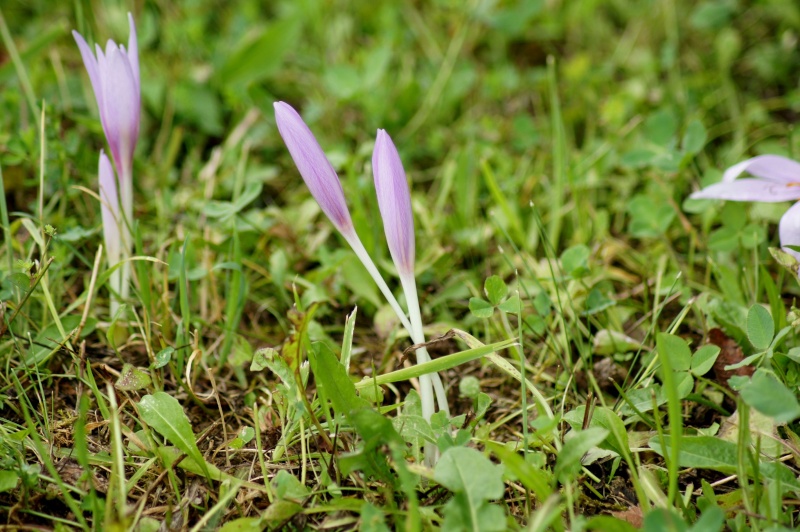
(114, 75)
(395, 205)
(394, 201)
(776, 179)
(324, 184)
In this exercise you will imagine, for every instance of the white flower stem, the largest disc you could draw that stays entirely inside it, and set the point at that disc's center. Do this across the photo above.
(418, 336)
(361, 253)
(126, 199)
(427, 383)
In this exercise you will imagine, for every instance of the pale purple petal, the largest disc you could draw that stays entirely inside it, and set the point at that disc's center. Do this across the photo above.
(771, 167)
(789, 229)
(90, 62)
(109, 205)
(121, 112)
(102, 68)
(394, 201)
(133, 51)
(314, 167)
(114, 74)
(750, 190)
(111, 46)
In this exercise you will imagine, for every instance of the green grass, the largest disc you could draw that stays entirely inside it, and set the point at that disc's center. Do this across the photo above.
(550, 148)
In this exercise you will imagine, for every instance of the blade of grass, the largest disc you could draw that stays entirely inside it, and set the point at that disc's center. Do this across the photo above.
(673, 414)
(42, 452)
(119, 493)
(11, 47)
(436, 365)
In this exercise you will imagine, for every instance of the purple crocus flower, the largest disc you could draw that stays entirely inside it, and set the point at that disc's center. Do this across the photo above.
(314, 167)
(394, 201)
(114, 75)
(116, 83)
(324, 184)
(395, 205)
(776, 179)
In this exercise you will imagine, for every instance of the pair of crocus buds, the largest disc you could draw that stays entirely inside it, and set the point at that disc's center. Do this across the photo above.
(114, 75)
(776, 179)
(394, 201)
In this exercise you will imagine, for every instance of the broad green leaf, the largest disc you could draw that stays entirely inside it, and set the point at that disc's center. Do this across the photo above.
(703, 359)
(712, 16)
(510, 305)
(660, 127)
(760, 327)
(334, 381)
(712, 519)
(460, 514)
(649, 218)
(412, 427)
(474, 480)
(641, 399)
(603, 418)
(372, 519)
(164, 414)
(466, 470)
(243, 524)
(280, 512)
(684, 383)
(569, 459)
(263, 357)
(575, 260)
(607, 523)
(470, 386)
(708, 452)
(608, 342)
(378, 434)
(483, 402)
(480, 308)
(596, 302)
(663, 519)
(132, 379)
(724, 239)
(680, 357)
(8, 480)
(163, 357)
(694, 138)
(495, 289)
(146, 524)
(287, 486)
(638, 157)
(771, 397)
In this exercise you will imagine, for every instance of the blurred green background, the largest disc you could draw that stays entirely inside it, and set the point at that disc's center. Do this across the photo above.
(603, 115)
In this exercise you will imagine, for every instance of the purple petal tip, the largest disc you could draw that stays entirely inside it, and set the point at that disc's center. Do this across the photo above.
(313, 165)
(394, 201)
